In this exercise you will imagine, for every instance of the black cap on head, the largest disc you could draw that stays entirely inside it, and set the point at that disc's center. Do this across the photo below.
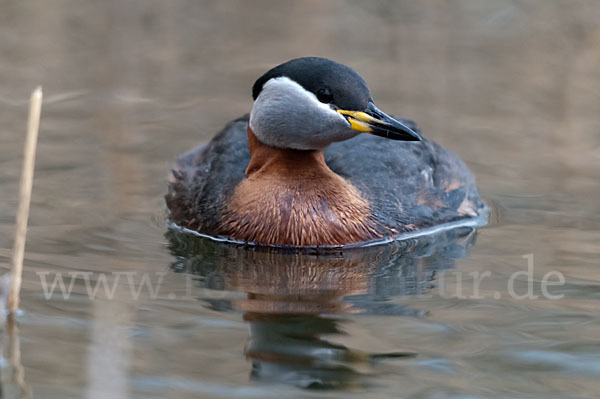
(330, 81)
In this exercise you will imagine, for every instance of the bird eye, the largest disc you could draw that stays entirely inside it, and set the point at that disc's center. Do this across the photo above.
(324, 95)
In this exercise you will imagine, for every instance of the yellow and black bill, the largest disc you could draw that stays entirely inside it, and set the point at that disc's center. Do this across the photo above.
(377, 122)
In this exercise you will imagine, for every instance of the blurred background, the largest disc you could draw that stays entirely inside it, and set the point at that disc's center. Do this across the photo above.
(512, 86)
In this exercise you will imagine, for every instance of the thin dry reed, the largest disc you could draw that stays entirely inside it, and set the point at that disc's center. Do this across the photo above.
(33, 124)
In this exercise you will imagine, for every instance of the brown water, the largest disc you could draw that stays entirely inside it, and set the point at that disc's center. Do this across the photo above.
(512, 86)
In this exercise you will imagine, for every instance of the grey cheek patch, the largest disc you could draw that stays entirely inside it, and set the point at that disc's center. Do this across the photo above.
(285, 115)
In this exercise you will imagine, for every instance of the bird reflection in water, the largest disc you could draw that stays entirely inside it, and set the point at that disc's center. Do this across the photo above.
(294, 300)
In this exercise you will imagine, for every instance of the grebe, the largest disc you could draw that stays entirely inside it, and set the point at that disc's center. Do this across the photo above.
(300, 171)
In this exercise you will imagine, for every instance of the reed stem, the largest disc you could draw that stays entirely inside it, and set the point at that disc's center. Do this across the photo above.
(33, 124)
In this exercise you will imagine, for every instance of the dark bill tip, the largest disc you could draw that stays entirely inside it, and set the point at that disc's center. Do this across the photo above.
(386, 126)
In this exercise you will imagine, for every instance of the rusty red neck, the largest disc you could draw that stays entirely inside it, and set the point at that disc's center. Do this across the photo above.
(265, 159)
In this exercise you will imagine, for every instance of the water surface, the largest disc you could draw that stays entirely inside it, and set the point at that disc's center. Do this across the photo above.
(511, 86)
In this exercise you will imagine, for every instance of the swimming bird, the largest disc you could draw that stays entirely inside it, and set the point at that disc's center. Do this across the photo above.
(315, 164)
